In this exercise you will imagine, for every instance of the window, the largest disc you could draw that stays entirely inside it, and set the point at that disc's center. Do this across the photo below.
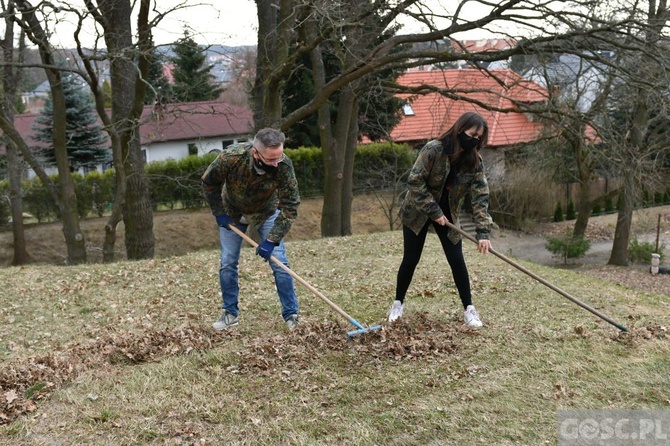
(407, 109)
(226, 142)
(192, 149)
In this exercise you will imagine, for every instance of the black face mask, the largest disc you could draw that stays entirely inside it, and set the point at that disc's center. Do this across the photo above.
(466, 141)
(265, 167)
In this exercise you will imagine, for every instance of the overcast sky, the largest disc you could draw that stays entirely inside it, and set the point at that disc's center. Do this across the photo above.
(225, 22)
(230, 22)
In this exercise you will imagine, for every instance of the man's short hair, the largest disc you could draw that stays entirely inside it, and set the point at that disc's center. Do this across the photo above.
(269, 137)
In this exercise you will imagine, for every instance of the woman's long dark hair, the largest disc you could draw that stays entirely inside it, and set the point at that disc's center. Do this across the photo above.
(449, 138)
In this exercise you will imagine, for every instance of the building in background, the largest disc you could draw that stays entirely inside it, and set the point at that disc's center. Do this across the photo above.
(444, 95)
(173, 130)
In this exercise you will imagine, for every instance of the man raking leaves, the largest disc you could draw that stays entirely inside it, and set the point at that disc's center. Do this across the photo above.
(253, 184)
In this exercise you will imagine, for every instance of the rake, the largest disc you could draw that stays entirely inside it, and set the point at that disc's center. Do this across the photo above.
(540, 279)
(360, 327)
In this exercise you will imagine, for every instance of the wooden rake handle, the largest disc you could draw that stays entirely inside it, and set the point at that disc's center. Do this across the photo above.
(294, 275)
(539, 279)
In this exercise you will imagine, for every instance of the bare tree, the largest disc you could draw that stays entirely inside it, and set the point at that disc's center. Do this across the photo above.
(345, 24)
(578, 89)
(26, 16)
(11, 76)
(129, 66)
(644, 75)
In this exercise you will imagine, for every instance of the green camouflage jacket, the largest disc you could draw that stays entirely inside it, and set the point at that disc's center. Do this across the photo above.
(426, 183)
(233, 186)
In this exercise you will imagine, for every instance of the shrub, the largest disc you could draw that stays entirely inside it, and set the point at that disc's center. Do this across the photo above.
(609, 206)
(375, 166)
(640, 252)
(380, 165)
(570, 213)
(567, 247)
(597, 210)
(102, 190)
(84, 197)
(38, 201)
(515, 199)
(558, 213)
(658, 197)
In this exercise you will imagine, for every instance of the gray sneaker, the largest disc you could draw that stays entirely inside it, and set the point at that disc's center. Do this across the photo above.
(225, 321)
(292, 322)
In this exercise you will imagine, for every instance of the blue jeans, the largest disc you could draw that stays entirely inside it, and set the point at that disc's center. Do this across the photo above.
(231, 245)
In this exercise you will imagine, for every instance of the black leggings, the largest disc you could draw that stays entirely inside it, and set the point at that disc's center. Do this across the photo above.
(412, 249)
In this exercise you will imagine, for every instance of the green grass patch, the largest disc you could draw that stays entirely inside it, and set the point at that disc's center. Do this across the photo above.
(124, 354)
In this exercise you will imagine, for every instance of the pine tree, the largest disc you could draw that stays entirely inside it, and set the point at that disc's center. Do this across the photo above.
(85, 139)
(192, 78)
(159, 90)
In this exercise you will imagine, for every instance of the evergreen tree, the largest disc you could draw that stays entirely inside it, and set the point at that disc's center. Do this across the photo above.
(159, 90)
(85, 139)
(192, 77)
(379, 109)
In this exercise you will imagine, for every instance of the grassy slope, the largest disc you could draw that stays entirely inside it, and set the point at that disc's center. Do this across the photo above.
(135, 362)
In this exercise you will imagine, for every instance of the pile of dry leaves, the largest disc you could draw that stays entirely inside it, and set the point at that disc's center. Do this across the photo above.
(24, 381)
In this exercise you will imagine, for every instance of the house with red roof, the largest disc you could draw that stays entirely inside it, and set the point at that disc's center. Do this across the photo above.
(175, 130)
(192, 128)
(439, 97)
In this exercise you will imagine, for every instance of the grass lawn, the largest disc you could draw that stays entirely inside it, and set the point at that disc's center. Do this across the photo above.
(123, 354)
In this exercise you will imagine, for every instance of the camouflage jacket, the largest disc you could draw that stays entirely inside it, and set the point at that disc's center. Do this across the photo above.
(426, 183)
(233, 186)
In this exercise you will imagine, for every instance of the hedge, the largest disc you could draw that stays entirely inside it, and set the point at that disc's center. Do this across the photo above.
(176, 183)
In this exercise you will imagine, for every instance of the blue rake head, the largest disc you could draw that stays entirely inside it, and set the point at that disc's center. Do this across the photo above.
(362, 330)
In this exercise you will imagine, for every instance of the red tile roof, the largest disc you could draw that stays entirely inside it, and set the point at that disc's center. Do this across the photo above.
(192, 120)
(435, 113)
(173, 122)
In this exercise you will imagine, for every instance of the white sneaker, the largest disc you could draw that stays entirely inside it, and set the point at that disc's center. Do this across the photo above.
(396, 311)
(472, 317)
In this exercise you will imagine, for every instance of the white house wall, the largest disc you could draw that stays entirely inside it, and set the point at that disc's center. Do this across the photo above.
(160, 151)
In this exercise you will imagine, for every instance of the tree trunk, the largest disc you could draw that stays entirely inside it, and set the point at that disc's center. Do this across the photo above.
(275, 28)
(137, 212)
(619, 254)
(657, 17)
(14, 170)
(108, 253)
(331, 215)
(67, 204)
(127, 104)
(339, 165)
(11, 79)
(74, 238)
(348, 181)
(584, 207)
(340, 158)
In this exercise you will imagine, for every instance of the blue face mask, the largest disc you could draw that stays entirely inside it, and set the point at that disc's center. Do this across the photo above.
(466, 141)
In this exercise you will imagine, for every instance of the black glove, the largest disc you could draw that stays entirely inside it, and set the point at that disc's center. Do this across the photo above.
(265, 249)
(224, 220)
